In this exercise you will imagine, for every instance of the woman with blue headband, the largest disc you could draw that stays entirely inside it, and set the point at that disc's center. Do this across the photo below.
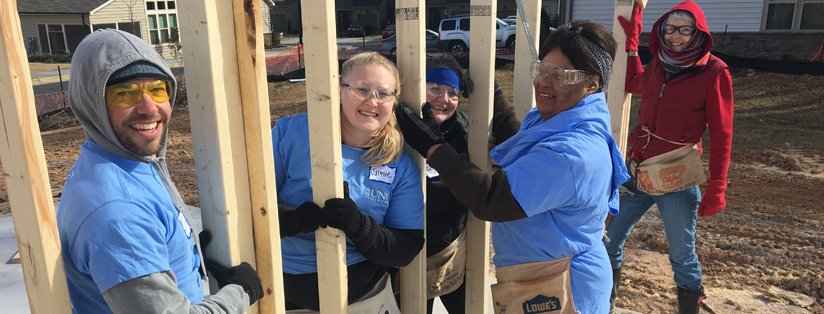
(554, 181)
(446, 82)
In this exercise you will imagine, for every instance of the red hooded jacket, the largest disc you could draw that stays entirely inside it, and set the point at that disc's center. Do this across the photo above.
(681, 108)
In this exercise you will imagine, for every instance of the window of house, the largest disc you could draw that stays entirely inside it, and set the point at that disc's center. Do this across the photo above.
(794, 15)
(60, 38)
(812, 15)
(162, 22)
(52, 38)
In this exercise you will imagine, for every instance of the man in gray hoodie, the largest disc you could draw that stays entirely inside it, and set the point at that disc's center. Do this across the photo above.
(127, 242)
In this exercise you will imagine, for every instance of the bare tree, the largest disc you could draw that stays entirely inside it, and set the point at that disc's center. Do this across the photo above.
(130, 8)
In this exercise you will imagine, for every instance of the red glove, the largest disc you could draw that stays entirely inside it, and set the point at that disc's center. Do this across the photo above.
(633, 27)
(713, 200)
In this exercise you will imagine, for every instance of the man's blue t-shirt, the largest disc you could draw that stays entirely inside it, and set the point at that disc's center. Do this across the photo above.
(389, 193)
(117, 222)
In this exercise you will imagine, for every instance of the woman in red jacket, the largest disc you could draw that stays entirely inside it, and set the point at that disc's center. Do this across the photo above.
(684, 90)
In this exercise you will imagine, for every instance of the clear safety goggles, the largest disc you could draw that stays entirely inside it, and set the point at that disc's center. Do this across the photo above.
(437, 90)
(363, 93)
(130, 94)
(557, 74)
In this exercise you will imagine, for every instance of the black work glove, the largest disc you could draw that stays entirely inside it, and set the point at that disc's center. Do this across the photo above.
(205, 238)
(303, 219)
(419, 133)
(243, 275)
(343, 214)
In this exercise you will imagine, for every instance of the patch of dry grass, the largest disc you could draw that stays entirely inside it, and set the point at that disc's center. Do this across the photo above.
(43, 67)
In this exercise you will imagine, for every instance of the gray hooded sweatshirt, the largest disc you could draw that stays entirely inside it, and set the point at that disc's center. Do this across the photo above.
(97, 57)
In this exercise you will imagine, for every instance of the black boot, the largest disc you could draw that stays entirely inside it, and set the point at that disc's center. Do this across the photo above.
(616, 282)
(689, 302)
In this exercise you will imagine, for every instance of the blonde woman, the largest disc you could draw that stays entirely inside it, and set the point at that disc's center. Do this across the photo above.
(382, 214)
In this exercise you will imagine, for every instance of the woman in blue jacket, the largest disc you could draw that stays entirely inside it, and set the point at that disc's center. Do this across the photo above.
(556, 180)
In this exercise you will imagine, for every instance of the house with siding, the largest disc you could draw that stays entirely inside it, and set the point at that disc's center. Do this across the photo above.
(58, 26)
(774, 29)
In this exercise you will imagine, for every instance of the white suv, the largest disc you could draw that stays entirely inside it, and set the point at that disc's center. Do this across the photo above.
(454, 34)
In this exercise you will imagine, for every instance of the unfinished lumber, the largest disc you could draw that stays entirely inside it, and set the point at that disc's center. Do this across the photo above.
(26, 175)
(254, 100)
(410, 19)
(618, 100)
(482, 67)
(524, 95)
(323, 103)
(213, 91)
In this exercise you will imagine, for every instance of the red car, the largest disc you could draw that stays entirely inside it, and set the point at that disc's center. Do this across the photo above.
(388, 31)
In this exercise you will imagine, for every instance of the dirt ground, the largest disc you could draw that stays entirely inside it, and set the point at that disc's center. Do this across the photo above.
(763, 254)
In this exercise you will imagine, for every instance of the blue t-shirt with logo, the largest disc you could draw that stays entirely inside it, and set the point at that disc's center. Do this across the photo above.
(117, 222)
(389, 193)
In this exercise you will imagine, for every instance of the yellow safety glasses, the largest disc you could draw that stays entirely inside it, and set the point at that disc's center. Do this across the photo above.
(130, 94)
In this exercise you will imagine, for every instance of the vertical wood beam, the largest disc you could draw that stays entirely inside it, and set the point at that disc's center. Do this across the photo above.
(323, 103)
(26, 175)
(410, 19)
(482, 67)
(208, 35)
(254, 95)
(524, 95)
(618, 100)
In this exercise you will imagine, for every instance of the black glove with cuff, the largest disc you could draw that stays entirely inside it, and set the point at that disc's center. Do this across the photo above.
(243, 275)
(303, 219)
(343, 214)
(419, 133)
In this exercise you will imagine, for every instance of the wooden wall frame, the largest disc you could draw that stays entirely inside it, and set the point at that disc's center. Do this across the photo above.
(524, 93)
(26, 175)
(618, 100)
(482, 67)
(231, 138)
(410, 20)
(323, 103)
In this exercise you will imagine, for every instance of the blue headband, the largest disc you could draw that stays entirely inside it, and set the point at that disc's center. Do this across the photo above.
(444, 76)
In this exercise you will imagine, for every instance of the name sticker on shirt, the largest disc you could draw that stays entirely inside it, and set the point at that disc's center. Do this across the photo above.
(185, 223)
(382, 173)
(431, 172)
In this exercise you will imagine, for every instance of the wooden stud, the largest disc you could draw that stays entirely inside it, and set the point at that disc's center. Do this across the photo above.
(27, 178)
(217, 130)
(410, 19)
(524, 95)
(618, 99)
(323, 103)
(481, 65)
(254, 94)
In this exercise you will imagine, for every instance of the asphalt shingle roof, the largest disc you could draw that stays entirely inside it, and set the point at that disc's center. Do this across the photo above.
(58, 6)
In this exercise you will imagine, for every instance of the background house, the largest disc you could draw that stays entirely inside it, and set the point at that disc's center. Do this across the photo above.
(774, 29)
(58, 26)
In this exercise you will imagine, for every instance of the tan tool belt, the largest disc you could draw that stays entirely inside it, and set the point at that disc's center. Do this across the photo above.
(672, 171)
(445, 271)
(539, 287)
(379, 300)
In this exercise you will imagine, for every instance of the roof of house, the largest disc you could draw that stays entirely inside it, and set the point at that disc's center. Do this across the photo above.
(58, 6)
